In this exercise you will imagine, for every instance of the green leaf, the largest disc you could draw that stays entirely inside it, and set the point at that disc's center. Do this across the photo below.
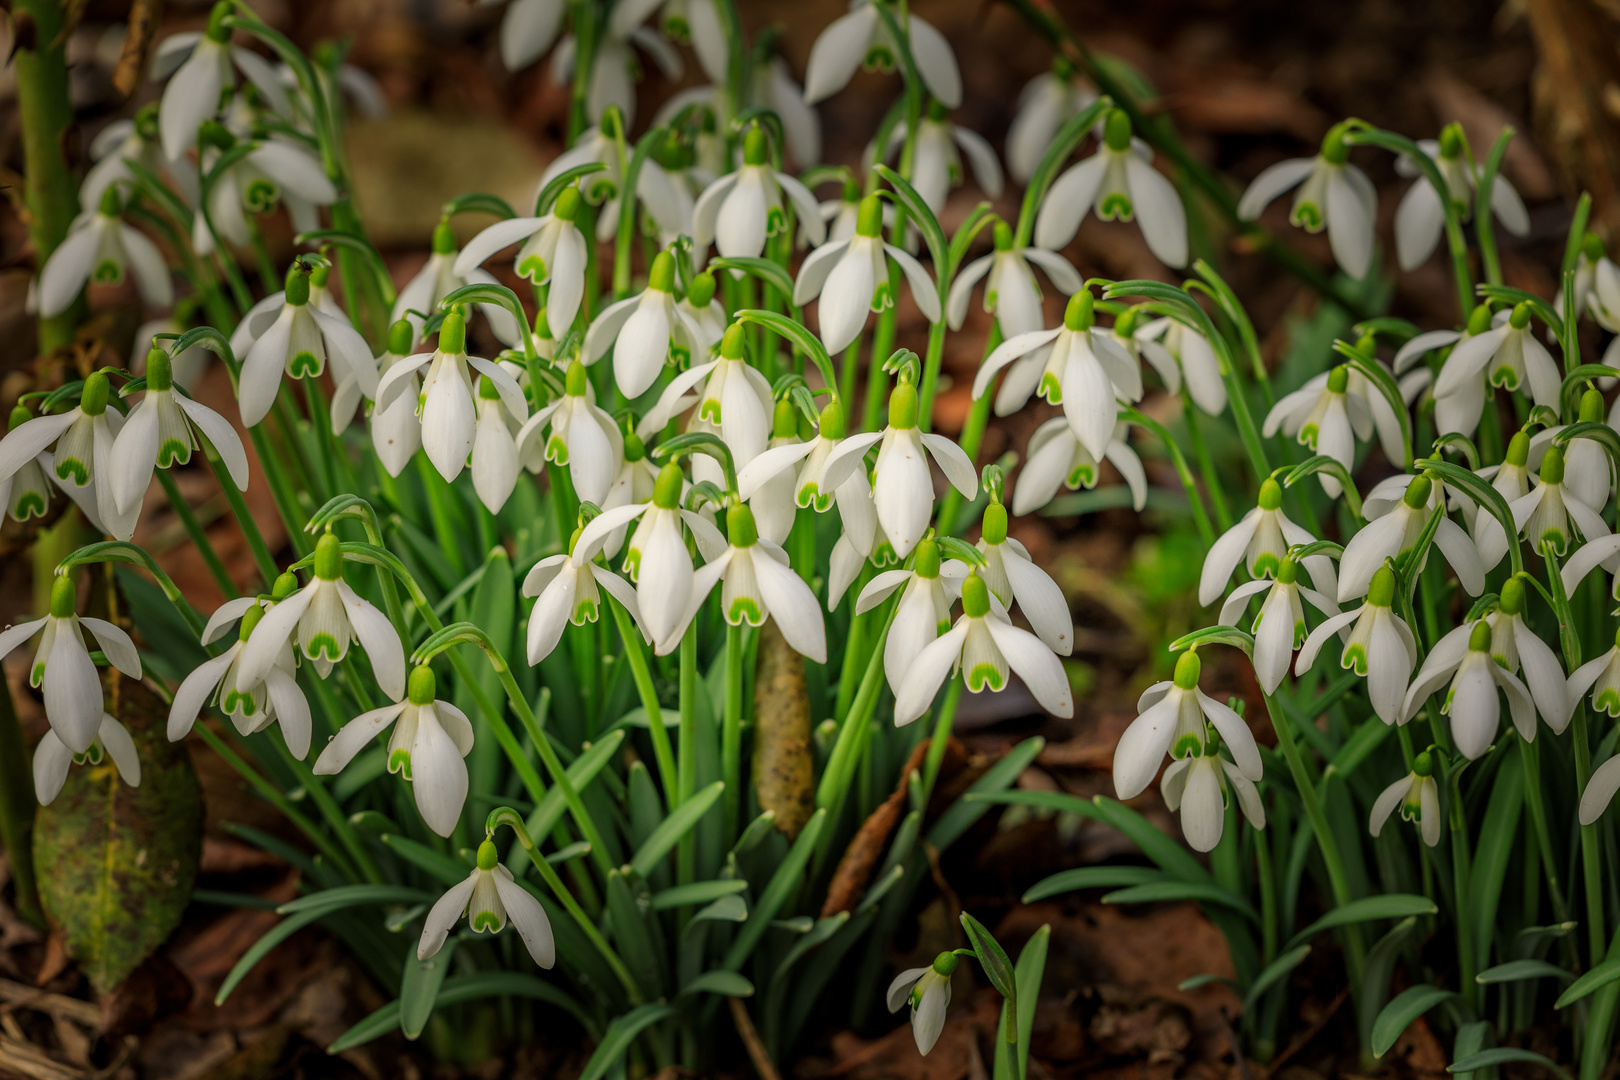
(549, 193)
(699, 892)
(448, 870)
(117, 862)
(1503, 1055)
(633, 931)
(960, 815)
(1322, 463)
(1498, 838)
(1218, 635)
(1596, 979)
(784, 881)
(278, 933)
(351, 895)
(673, 827)
(927, 224)
(1392, 906)
(1471, 1039)
(1482, 493)
(719, 981)
(1162, 891)
(620, 1034)
(419, 986)
(1399, 1014)
(1174, 859)
(796, 333)
(464, 988)
(772, 274)
(992, 957)
(1375, 974)
(1031, 967)
(1275, 972)
(551, 809)
(1517, 970)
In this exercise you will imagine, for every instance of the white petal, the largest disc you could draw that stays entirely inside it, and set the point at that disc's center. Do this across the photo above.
(1143, 746)
(1223, 558)
(195, 690)
(502, 234)
(1350, 227)
(73, 702)
(794, 607)
(927, 673)
(1272, 182)
(447, 911)
(954, 463)
(1035, 663)
(1600, 789)
(1239, 740)
(1461, 553)
(528, 918)
(270, 636)
(115, 645)
(1385, 804)
(1319, 637)
(837, 53)
(1042, 603)
(378, 638)
(1159, 212)
(1068, 201)
(218, 431)
(292, 711)
(51, 761)
(1203, 811)
(67, 270)
(438, 775)
(918, 280)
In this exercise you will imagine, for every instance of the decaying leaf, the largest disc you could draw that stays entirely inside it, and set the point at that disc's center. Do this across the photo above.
(116, 863)
(782, 757)
(866, 846)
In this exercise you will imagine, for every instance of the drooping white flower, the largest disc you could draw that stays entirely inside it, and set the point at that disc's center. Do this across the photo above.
(568, 590)
(1601, 551)
(1380, 648)
(553, 253)
(985, 646)
(1597, 288)
(860, 540)
(658, 190)
(1013, 578)
(438, 278)
(276, 170)
(446, 405)
(577, 434)
(115, 146)
(1171, 721)
(1600, 787)
(1330, 412)
(188, 366)
(496, 461)
(922, 613)
(396, 431)
(756, 583)
(251, 707)
(902, 485)
(1601, 677)
(1391, 533)
(429, 741)
(704, 310)
(636, 479)
(928, 990)
(1196, 788)
(1117, 182)
(98, 250)
(1047, 102)
(1279, 627)
(1421, 216)
(325, 616)
(1548, 514)
(73, 699)
(52, 758)
(83, 462)
(1511, 479)
(657, 558)
(1055, 458)
(1260, 540)
(298, 342)
(528, 30)
(741, 209)
(734, 403)
(852, 278)
(772, 502)
(1588, 470)
(1333, 195)
(202, 67)
(25, 491)
(774, 491)
(1010, 289)
(645, 332)
(158, 433)
(1463, 658)
(936, 164)
(1507, 356)
(489, 898)
(861, 38)
(1418, 797)
(615, 67)
(1180, 353)
(1075, 365)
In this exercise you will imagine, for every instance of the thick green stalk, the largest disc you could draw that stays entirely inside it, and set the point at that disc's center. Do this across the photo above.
(46, 114)
(731, 733)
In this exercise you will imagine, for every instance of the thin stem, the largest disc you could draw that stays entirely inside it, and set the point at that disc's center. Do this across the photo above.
(731, 733)
(941, 739)
(588, 927)
(1461, 871)
(686, 772)
(972, 434)
(262, 557)
(930, 376)
(198, 535)
(662, 751)
(1206, 465)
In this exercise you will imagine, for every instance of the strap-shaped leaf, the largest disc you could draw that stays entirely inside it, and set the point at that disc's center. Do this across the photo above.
(419, 986)
(672, 828)
(1323, 463)
(927, 224)
(795, 332)
(1399, 1014)
(961, 815)
(1504, 1055)
(1216, 635)
(1520, 970)
(1391, 906)
(1158, 892)
(1482, 493)
(352, 895)
(1274, 973)
(1569, 390)
(772, 274)
(782, 883)
(721, 982)
(1596, 979)
(1092, 877)
(620, 1034)
(698, 892)
(447, 869)
(993, 958)
(464, 988)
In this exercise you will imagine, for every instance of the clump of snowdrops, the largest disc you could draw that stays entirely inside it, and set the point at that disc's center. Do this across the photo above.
(619, 634)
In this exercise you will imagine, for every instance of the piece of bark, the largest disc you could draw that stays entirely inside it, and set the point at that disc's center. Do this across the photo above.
(783, 764)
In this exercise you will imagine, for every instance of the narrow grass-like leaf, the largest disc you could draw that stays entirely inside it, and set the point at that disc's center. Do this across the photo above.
(1398, 1015)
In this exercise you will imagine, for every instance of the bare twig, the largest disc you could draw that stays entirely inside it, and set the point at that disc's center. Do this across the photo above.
(751, 1041)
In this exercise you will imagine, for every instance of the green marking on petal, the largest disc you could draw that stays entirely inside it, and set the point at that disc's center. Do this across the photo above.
(632, 564)
(1607, 701)
(709, 409)
(399, 761)
(1556, 538)
(1266, 564)
(744, 609)
(1299, 633)
(1307, 216)
(775, 221)
(882, 297)
(260, 196)
(984, 675)
(1188, 745)
(1355, 657)
(323, 645)
(30, 504)
(36, 673)
(108, 273)
(303, 363)
(1083, 476)
(879, 58)
(485, 922)
(1051, 389)
(584, 612)
(680, 355)
(1307, 436)
(1116, 206)
(173, 451)
(1505, 377)
(73, 469)
(556, 451)
(533, 268)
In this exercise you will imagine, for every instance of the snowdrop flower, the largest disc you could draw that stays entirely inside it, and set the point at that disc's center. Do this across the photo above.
(1084, 370)
(1047, 102)
(861, 38)
(666, 203)
(1260, 541)
(73, 699)
(24, 491)
(553, 253)
(429, 741)
(1279, 628)
(1329, 413)
(1178, 352)
(1171, 721)
(325, 615)
(936, 164)
(1588, 472)
(738, 211)
(1394, 533)
(1600, 676)
(756, 583)
(276, 170)
(614, 68)
(1546, 514)
(1463, 658)
(766, 484)
(52, 758)
(298, 342)
(1518, 649)
(657, 558)
(396, 433)
(446, 404)
(1055, 458)
(1196, 786)
(1333, 195)
(438, 279)
(495, 459)
(902, 485)
(202, 70)
(1418, 797)
(1013, 576)
(567, 591)
(1511, 479)
(98, 250)
(528, 30)
(1118, 183)
(922, 614)
(860, 540)
(488, 898)
(773, 501)
(1421, 216)
(578, 435)
(119, 143)
(734, 403)
(1505, 356)
(852, 277)
(645, 332)
(1010, 289)
(1380, 648)
(842, 214)
(254, 707)
(158, 433)
(83, 462)
(928, 990)
(985, 646)
(1597, 286)
(636, 479)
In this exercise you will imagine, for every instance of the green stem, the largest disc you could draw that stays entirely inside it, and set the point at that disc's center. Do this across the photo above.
(941, 739)
(686, 771)
(835, 778)
(46, 115)
(662, 751)
(1530, 759)
(930, 376)
(972, 434)
(731, 733)
(1206, 465)
(1461, 872)
(199, 536)
(588, 927)
(262, 557)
